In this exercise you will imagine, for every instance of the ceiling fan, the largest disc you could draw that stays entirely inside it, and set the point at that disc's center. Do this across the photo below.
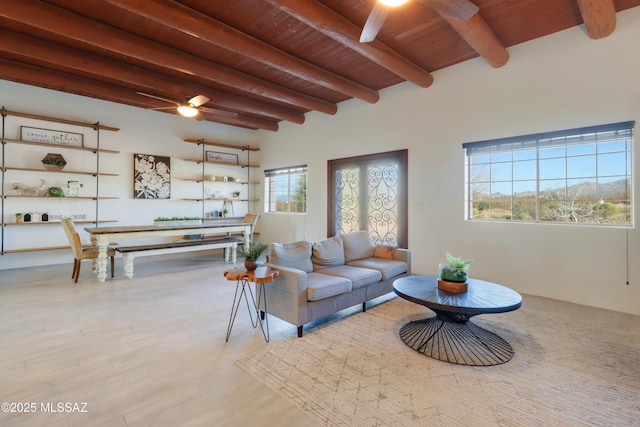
(190, 107)
(460, 9)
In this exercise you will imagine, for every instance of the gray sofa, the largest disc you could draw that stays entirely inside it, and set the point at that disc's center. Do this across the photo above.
(321, 278)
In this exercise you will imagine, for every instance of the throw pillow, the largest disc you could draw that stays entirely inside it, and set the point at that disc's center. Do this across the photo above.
(384, 251)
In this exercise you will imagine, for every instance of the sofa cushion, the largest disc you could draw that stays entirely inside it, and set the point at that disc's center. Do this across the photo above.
(388, 268)
(384, 251)
(292, 254)
(321, 286)
(359, 277)
(327, 253)
(357, 245)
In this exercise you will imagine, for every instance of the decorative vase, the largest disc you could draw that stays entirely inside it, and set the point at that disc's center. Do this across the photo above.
(452, 280)
(261, 271)
(453, 274)
(250, 264)
(52, 167)
(53, 161)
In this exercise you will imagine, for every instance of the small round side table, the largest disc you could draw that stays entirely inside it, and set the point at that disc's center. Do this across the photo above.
(243, 279)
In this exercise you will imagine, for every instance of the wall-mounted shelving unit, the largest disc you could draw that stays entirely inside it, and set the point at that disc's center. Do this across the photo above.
(203, 178)
(13, 165)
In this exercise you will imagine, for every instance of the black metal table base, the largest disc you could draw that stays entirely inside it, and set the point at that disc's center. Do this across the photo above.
(242, 287)
(453, 338)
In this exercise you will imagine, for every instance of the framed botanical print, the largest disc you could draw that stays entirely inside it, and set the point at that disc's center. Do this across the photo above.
(151, 176)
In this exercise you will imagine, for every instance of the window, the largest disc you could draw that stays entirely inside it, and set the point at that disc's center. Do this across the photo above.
(571, 176)
(370, 193)
(286, 189)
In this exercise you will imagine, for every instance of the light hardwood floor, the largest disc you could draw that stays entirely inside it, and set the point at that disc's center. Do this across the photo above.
(147, 351)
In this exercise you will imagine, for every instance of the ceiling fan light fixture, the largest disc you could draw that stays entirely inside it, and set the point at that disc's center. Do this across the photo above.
(393, 3)
(187, 111)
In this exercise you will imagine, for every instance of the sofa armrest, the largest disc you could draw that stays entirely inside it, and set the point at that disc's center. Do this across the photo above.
(287, 295)
(403, 255)
(291, 280)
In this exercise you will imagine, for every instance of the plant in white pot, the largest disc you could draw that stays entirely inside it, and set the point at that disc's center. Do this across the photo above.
(456, 270)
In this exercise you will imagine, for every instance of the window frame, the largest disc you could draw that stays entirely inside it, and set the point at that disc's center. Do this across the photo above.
(289, 172)
(561, 158)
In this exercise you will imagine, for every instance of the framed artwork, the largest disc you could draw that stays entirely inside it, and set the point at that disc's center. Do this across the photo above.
(48, 136)
(213, 156)
(151, 176)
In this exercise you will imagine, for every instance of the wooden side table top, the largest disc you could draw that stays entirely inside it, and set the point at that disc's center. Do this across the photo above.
(242, 274)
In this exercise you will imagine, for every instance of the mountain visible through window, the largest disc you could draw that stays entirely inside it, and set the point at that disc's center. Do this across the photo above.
(573, 176)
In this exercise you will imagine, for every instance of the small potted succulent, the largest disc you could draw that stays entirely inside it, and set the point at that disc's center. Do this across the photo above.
(55, 192)
(54, 162)
(251, 253)
(456, 270)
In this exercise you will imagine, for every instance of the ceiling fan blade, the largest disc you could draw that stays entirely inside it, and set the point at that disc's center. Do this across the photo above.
(198, 100)
(461, 9)
(162, 108)
(374, 22)
(218, 112)
(157, 97)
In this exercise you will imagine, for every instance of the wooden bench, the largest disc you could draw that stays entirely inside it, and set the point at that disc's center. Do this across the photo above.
(229, 244)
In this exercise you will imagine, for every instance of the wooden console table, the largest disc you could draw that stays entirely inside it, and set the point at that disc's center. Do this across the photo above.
(101, 236)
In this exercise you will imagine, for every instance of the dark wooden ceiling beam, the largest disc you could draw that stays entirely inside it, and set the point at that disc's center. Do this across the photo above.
(58, 21)
(202, 27)
(479, 36)
(38, 51)
(321, 18)
(599, 17)
(56, 80)
(248, 122)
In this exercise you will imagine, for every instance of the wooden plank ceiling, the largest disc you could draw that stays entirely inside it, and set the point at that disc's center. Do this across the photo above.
(263, 61)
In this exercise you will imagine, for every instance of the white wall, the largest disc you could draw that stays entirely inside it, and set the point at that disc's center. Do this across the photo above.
(562, 81)
(141, 131)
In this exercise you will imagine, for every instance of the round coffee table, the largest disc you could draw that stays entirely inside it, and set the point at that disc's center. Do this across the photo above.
(449, 335)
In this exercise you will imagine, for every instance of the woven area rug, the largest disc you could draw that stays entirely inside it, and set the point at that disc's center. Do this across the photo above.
(573, 366)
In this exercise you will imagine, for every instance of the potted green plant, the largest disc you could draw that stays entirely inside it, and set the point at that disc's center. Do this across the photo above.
(177, 220)
(55, 192)
(54, 161)
(456, 270)
(236, 194)
(251, 253)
